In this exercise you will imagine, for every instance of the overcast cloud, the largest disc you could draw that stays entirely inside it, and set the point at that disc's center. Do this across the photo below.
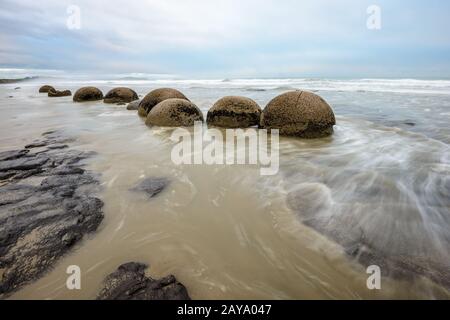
(229, 38)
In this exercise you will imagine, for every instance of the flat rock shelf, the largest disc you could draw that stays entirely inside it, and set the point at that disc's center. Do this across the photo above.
(46, 207)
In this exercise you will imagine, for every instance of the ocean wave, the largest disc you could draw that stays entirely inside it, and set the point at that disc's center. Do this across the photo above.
(402, 86)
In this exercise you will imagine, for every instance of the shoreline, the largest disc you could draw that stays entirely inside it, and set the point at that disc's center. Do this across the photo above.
(7, 81)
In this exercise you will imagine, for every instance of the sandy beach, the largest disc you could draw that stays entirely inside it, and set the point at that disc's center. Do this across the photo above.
(225, 231)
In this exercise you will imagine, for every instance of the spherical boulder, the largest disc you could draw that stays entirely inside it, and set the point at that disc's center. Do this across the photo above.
(87, 94)
(173, 113)
(299, 113)
(234, 112)
(156, 96)
(120, 95)
(45, 89)
(133, 105)
(57, 93)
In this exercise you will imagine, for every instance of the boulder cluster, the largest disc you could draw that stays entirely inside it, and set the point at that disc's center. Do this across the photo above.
(295, 113)
(52, 92)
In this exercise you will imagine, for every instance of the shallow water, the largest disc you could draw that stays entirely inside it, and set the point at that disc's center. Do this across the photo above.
(227, 232)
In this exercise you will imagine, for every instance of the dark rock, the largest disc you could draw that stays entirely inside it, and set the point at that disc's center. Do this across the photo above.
(13, 154)
(174, 113)
(7, 175)
(58, 146)
(16, 88)
(129, 282)
(134, 105)
(46, 133)
(15, 193)
(37, 144)
(45, 89)
(234, 112)
(87, 94)
(69, 239)
(151, 186)
(67, 170)
(22, 174)
(72, 180)
(42, 217)
(120, 95)
(57, 93)
(299, 113)
(22, 164)
(156, 96)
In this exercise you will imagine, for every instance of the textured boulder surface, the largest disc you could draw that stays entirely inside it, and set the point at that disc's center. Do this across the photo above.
(234, 112)
(299, 113)
(87, 94)
(120, 95)
(174, 113)
(156, 96)
(47, 205)
(57, 93)
(129, 282)
(46, 88)
(134, 105)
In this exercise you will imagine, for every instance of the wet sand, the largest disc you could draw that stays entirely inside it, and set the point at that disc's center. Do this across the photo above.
(225, 231)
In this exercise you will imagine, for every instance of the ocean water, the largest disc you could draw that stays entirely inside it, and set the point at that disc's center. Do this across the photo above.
(382, 181)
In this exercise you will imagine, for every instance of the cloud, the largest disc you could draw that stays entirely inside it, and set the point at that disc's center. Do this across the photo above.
(215, 37)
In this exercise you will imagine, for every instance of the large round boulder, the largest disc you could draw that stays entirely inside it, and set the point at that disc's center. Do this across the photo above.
(174, 113)
(234, 112)
(45, 89)
(87, 94)
(156, 96)
(120, 95)
(299, 113)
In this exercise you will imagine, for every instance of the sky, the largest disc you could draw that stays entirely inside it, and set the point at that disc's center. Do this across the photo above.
(228, 38)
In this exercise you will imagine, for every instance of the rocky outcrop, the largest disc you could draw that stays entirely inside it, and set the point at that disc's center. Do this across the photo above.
(156, 96)
(45, 89)
(120, 95)
(129, 282)
(234, 112)
(47, 205)
(174, 113)
(87, 94)
(299, 113)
